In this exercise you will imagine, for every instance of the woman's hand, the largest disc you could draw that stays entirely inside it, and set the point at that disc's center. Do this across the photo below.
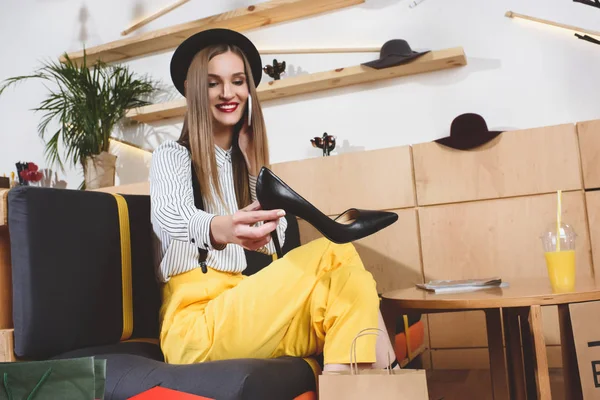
(246, 143)
(238, 229)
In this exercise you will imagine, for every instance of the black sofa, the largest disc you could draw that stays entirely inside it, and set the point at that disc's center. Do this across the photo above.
(67, 299)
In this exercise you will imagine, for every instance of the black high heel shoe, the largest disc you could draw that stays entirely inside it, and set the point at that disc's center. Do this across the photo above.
(351, 225)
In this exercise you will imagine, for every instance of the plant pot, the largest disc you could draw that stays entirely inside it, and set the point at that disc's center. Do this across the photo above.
(99, 171)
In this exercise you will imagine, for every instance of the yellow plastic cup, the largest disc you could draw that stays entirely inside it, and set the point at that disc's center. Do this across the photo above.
(561, 270)
(558, 242)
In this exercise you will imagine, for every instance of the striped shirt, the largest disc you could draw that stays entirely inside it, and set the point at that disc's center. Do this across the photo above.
(179, 227)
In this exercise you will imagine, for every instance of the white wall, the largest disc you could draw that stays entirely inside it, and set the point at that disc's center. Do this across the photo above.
(519, 74)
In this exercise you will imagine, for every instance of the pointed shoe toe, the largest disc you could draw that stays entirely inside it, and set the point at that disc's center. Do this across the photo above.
(351, 225)
(362, 223)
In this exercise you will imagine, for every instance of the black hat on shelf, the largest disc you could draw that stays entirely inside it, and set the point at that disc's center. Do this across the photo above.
(185, 52)
(467, 132)
(395, 52)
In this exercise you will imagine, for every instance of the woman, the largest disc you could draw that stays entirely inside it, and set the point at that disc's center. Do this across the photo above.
(315, 299)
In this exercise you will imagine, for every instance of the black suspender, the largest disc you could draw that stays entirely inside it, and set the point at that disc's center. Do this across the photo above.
(202, 254)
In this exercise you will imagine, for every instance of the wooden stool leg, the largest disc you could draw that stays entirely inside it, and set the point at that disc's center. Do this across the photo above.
(389, 314)
(514, 357)
(569, 356)
(528, 353)
(542, 376)
(496, 349)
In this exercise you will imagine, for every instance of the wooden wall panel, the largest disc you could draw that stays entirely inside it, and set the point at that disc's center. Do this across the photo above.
(376, 179)
(457, 329)
(444, 332)
(507, 166)
(593, 209)
(494, 237)
(141, 188)
(498, 237)
(391, 255)
(478, 358)
(589, 145)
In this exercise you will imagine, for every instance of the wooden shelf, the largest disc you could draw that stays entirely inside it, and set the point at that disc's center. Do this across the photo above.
(241, 19)
(432, 61)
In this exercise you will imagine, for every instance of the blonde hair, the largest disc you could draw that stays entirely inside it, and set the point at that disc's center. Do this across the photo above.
(197, 131)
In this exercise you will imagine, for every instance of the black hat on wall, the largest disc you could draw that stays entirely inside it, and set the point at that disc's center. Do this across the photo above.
(467, 132)
(185, 52)
(394, 52)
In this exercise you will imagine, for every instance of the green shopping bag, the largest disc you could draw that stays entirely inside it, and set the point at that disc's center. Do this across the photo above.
(69, 379)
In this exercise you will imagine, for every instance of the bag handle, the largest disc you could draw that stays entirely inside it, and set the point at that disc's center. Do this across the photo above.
(35, 389)
(353, 361)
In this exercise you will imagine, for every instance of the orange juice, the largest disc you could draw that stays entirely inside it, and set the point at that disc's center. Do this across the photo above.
(561, 270)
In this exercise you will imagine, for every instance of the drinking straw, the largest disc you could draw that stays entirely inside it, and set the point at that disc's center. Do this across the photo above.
(558, 213)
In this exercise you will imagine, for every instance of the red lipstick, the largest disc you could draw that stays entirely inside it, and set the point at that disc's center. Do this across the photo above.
(227, 107)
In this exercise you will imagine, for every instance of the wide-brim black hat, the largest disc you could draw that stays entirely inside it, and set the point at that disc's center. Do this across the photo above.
(185, 52)
(394, 52)
(467, 132)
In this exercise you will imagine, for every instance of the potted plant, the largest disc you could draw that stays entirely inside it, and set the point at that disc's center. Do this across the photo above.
(86, 102)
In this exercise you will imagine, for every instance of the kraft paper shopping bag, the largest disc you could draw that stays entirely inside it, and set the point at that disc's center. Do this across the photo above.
(372, 384)
(586, 334)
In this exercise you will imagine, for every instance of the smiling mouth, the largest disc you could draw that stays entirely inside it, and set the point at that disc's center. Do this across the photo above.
(227, 107)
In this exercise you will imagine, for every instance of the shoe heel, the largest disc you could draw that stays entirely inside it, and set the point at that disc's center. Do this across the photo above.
(275, 239)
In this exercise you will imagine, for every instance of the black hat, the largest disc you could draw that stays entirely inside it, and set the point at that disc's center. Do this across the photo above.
(468, 131)
(394, 52)
(185, 52)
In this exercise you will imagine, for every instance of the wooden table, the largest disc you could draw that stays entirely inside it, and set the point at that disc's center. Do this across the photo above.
(516, 311)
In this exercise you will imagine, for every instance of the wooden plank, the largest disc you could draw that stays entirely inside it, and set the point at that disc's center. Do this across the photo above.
(321, 50)
(391, 255)
(569, 354)
(528, 352)
(336, 183)
(476, 358)
(146, 20)
(471, 334)
(302, 84)
(142, 188)
(5, 280)
(524, 162)
(589, 145)
(593, 208)
(7, 345)
(542, 376)
(514, 355)
(493, 237)
(496, 354)
(4, 206)
(241, 19)
(511, 14)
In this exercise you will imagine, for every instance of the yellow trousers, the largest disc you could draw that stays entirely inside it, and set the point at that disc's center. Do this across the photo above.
(314, 300)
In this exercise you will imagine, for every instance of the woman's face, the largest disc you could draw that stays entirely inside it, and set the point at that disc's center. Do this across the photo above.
(227, 88)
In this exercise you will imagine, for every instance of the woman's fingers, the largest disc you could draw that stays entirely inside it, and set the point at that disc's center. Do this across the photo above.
(252, 217)
(254, 232)
(252, 207)
(257, 244)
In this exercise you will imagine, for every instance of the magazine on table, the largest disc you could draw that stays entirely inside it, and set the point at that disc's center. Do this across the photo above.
(462, 285)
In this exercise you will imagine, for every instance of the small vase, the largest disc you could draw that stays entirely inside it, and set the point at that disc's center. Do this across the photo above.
(99, 171)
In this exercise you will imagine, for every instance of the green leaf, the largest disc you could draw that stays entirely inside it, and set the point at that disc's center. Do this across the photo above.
(86, 102)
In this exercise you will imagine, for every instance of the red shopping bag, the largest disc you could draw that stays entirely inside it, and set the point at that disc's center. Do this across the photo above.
(161, 393)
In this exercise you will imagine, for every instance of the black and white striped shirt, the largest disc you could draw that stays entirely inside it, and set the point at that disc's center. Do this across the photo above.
(179, 227)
